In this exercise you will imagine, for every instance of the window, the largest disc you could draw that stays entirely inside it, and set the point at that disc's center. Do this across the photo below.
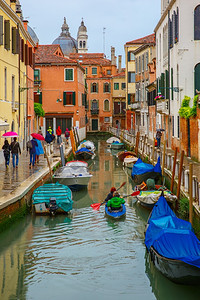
(197, 23)
(147, 60)
(178, 126)
(80, 44)
(107, 119)
(172, 84)
(116, 86)
(136, 66)
(139, 65)
(86, 71)
(172, 125)
(69, 98)
(131, 56)
(106, 105)
(83, 44)
(36, 74)
(108, 72)
(106, 87)
(131, 77)
(69, 74)
(94, 71)
(143, 63)
(5, 83)
(13, 90)
(94, 87)
(14, 40)
(196, 78)
(123, 85)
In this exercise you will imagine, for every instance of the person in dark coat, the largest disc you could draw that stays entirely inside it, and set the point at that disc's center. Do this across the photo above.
(48, 138)
(110, 195)
(15, 150)
(6, 151)
(32, 152)
(158, 137)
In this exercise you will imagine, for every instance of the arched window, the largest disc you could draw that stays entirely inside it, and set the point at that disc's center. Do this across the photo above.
(94, 104)
(94, 87)
(197, 23)
(83, 44)
(196, 78)
(106, 105)
(80, 44)
(106, 87)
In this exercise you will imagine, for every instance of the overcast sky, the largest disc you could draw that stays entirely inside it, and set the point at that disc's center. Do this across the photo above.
(124, 20)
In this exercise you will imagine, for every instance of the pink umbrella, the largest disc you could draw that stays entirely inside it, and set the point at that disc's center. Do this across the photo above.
(37, 136)
(10, 134)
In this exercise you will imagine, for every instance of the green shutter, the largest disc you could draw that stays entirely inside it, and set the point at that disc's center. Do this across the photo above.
(64, 98)
(162, 88)
(1, 30)
(14, 40)
(69, 74)
(7, 34)
(40, 98)
(97, 104)
(167, 84)
(91, 85)
(74, 98)
(172, 84)
(129, 99)
(104, 89)
(109, 87)
(196, 80)
(97, 87)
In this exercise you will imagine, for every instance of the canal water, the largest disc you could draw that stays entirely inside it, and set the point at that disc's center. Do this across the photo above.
(85, 255)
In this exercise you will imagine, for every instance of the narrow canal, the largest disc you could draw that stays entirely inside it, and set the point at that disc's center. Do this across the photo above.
(85, 255)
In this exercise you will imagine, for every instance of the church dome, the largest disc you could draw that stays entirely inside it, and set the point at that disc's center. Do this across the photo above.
(82, 27)
(33, 35)
(67, 43)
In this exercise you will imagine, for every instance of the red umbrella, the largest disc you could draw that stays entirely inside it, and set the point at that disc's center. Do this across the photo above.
(37, 136)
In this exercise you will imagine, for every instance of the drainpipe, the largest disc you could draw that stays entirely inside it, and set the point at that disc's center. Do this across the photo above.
(188, 131)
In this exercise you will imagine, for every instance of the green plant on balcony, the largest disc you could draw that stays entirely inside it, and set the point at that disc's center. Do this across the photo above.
(39, 110)
(186, 111)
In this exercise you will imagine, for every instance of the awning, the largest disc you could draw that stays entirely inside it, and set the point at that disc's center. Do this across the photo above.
(3, 125)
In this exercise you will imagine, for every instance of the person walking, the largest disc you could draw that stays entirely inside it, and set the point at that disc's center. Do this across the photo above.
(32, 152)
(15, 150)
(58, 132)
(6, 151)
(158, 137)
(67, 134)
(39, 150)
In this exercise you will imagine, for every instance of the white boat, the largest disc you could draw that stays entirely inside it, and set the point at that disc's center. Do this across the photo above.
(116, 145)
(87, 144)
(112, 139)
(129, 161)
(74, 174)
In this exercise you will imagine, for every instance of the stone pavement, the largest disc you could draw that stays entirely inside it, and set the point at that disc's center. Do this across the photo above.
(12, 178)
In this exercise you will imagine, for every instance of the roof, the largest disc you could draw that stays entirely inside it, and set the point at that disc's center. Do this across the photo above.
(47, 54)
(121, 74)
(91, 58)
(144, 40)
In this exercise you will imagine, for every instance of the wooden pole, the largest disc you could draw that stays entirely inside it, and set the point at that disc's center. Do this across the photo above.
(163, 159)
(174, 169)
(48, 162)
(190, 193)
(143, 146)
(179, 175)
(137, 142)
(154, 142)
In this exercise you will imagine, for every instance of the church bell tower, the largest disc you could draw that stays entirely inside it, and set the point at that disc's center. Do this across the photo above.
(82, 38)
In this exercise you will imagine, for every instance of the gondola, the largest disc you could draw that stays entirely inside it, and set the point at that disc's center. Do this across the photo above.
(173, 247)
(116, 214)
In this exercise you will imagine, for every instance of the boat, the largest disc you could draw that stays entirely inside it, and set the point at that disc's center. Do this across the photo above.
(129, 161)
(52, 198)
(74, 174)
(87, 144)
(123, 154)
(116, 145)
(116, 214)
(112, 139)
(142, 171)
(148, 198)
(84, 154)
(172, 245)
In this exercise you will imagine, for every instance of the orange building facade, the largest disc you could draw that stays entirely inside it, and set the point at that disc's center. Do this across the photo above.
(60, 88)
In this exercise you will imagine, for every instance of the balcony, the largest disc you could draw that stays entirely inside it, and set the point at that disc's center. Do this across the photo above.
(94, 111)
(162, 106)
(135, 106)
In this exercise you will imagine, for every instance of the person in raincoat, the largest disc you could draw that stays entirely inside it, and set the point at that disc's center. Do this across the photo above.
(39, 150)
(48, 138)
(116, 202)
(67, 134)
(58, 132)
(6, 151)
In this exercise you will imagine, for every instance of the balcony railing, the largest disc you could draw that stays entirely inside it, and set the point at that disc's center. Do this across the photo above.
(162, 106)
(94, 111)
(136, 105)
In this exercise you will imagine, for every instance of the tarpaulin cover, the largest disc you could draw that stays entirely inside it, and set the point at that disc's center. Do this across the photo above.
(84, 149)
(170, 236)
(140, 167)
(61, 192)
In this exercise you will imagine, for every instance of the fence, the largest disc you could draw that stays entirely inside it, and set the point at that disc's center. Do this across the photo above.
(147, 149)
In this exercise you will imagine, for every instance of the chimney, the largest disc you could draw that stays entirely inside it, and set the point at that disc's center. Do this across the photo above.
(13, 5)
(25, 24)
(119, 63)
(112, 55)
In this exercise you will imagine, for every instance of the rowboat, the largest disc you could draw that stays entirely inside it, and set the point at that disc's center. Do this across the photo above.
(129, 161)
(173, 247)
(112, 139)
(116, 145)
(84, 154)
(74, 174)
(116, 214)
(148, 199)
(123, 154)
(87, 144)
(52, 198)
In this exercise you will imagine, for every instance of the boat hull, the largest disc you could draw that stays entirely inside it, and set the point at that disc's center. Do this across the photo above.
(175, 270)
(117, 146)
(116, 214)
(84, 155)
(74, 183)
(138, 179)
(42, 209)
(121, 155)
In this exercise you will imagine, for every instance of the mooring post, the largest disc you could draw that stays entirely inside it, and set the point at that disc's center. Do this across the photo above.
(179, 176)
(190, 193)
(174, 168)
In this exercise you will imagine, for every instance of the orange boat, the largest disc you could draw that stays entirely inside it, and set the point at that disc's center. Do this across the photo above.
(122, 154)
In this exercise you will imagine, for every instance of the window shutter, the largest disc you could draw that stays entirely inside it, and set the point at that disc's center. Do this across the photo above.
(129, 99)
(30, 54)
(26, 55)
(40, 98)
(7, 34)
(162, 88)
(17, 41)
(91, 87)
(104, 88)
(64, 98)
(109, 88)
(97, 88)
(14, 40)
(74, 98)
(22, 50)
(172, 84)
(129, 56)
(1, 30)
(167, 84)
(97, 104)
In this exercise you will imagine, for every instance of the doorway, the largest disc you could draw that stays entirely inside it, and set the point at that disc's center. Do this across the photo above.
(95, 125)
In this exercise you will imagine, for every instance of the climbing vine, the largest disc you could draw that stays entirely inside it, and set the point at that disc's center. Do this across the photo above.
(39, 110)
(186, 111)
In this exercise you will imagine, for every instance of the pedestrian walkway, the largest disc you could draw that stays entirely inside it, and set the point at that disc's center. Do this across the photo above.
(12, 178)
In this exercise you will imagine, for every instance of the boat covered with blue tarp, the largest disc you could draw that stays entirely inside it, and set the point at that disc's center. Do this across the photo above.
(173, 246)
(52, 194)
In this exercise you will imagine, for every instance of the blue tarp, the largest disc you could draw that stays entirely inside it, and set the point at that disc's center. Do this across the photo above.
(140, 167)
(170, 236)
(84, 149)
(61, 192)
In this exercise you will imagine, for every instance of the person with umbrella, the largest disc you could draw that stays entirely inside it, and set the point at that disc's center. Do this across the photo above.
(32, 152)
(15, 150)
(158, 137)
(6, 151)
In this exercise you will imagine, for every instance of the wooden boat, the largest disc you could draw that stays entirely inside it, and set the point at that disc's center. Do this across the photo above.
(116, 214)
(87, 144)
(129, 161)
(148, 199)
(122, 154)
(52, 198)
(75, 175)
(84, 154)
(112, 139)
(116, 145)
(173, 247)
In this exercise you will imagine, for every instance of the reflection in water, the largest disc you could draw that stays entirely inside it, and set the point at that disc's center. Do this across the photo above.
(84, 255)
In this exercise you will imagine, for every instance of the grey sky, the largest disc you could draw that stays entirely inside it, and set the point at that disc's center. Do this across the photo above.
(124, 20)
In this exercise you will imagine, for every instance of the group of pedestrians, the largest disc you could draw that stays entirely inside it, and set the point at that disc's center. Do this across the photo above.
(14, 149)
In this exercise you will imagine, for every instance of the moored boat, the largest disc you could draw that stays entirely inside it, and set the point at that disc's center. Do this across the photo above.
(112, 139)
(116, 145)
(84, 154)
(129, 161)
(148, 199)
(116, 214)
(123, 154)
(52, 198)
(173, 247)
(75, 175)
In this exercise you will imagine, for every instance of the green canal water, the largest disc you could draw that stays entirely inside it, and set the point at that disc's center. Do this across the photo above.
(85, 255)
